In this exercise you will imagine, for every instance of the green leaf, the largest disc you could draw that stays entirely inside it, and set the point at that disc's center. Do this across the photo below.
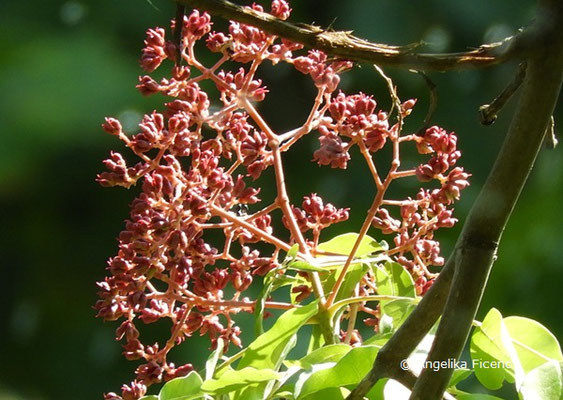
(184, 388)
(302, 378)
(211, 362)
(350, 370)
(543, 382)
(354, 275)
(299, 265)
(386, 324)
(149, 397)
(459, 375)
(272, 282)
(394, 280)
(333, 393)
(285, 395)
(250, 392)
(398, 310)
(486, 346)
(237, 379)
(378, 339)
(260, 390)
(519, 344)
(275, 387)
(292, 252)
(343, 244)
(330, 353)
(377, 391)
(266, 350)
(317, 339)
(259, 308)
(534, 343)
(476, 396)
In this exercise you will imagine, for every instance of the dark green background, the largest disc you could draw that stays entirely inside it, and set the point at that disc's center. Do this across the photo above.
(66, 65)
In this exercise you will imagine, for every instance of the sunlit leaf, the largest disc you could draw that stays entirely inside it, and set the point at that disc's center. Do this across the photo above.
(543, 382)
(272, 282)
(394, 280)
(377, 391)
(398, 310)
(486, 347)
(350, 370)
(378, 339)
(292, 252)
(354, 275)
(330, 353)
(211, 362)
(534, 343)
(476, 396)
(184, 388)
(517, 345)
(316, 340)
(333, 393)
(299, 265)
(266, 350)
(236, 379)
(459, 375)
(303, 377)
(343, 245)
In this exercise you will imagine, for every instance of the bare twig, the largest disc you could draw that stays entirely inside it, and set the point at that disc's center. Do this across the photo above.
(433, 102)
(346, 46)
(488, 112)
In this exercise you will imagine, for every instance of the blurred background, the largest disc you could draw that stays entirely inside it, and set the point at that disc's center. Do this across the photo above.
(64, 65)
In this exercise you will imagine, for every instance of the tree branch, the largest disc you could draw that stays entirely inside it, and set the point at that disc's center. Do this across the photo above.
(488, 217)
(346, 46)
(478, 242)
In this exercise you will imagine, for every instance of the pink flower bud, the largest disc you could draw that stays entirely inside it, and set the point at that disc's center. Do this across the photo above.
(133, 392)
(407, 106)
(217, 42)
(153, 54)
(197, 25)
(332, 152)
(112, 126)
(147, 85)
(280, 9)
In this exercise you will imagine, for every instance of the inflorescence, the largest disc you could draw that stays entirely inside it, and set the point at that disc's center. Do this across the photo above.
(198, 160)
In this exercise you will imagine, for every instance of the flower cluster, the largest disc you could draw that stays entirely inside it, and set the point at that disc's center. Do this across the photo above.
(198, 160)
(352, 117)
(422, 216)
(317, 216)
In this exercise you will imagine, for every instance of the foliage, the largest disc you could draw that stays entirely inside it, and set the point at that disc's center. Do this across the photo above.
(524, 351)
